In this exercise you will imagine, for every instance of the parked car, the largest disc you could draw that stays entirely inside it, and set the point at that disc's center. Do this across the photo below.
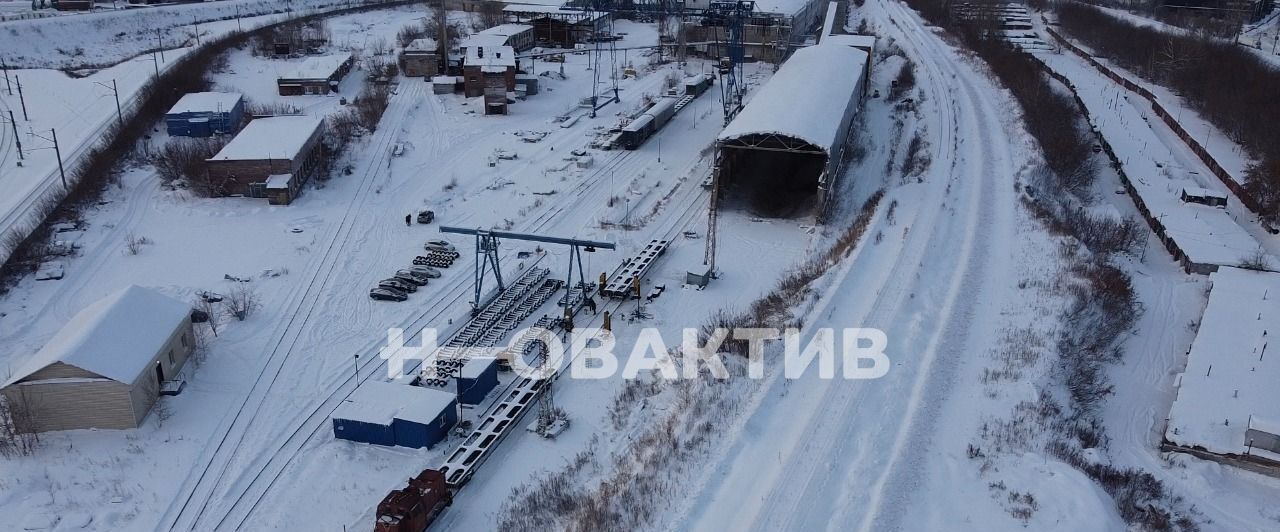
(412, 277)
(442, 245)
(382, 294)
(426, 217)
(428, 271)
(397, 285)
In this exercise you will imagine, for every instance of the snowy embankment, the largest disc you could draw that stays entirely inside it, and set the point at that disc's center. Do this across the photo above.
(935, 270)
(101, 39)
(82, 109)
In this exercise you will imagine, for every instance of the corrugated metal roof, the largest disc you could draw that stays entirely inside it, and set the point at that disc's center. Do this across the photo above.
(804, 98)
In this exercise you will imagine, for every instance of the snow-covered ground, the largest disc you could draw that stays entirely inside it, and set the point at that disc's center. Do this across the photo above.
(81, 108)
(950, 268)
(102, 38)
(256, 413)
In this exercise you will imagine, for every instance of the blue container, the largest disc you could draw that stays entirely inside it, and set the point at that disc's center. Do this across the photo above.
(478, 377)
(363, 432)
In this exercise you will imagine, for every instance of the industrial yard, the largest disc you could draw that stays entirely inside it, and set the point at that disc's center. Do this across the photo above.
(405, 266)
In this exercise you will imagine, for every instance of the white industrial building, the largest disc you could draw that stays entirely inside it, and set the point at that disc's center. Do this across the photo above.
(1228, 404)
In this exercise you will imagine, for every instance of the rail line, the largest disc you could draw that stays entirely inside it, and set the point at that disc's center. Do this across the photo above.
(281, 351)
(456, 291)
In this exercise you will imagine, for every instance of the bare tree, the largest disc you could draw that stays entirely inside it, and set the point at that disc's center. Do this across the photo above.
(241, 302)
(19, 424)
(491, 13)
(133, 243)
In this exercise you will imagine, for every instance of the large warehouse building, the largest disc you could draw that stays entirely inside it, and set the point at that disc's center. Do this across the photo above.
(783, 151)
(106, 366)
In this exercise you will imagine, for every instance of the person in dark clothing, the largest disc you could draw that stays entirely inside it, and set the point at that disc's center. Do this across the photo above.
(408, 220)
(590, 303)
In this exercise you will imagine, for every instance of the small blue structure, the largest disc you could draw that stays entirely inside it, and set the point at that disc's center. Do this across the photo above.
(384, 413)
(202, 114)
(478, 377)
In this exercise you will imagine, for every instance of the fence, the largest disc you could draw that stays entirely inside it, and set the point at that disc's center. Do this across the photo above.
(1232, 184)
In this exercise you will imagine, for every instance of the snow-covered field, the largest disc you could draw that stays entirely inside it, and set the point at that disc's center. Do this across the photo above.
(256, 411)
(103, 38)
(80, 108)
(951, 267)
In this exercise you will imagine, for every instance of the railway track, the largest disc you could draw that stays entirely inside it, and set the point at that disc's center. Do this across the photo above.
(302, 307)
(243, 498)
(280, 457)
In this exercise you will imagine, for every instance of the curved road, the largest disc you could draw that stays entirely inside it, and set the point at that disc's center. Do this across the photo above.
(842, 454)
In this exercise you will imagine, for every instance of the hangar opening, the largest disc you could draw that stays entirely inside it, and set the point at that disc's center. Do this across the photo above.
(781, 155)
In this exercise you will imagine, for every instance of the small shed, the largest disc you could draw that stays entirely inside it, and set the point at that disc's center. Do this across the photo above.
(201, 114)
(315, 75)
(478, 377)
(279, 189)
(443, 84)
(530, 83)
(421, 58)
(384, 413)
(1204, 196)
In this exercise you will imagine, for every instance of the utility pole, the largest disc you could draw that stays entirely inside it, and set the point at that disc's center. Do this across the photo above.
(5, 68)
(57, 152)
(155, 63)
(160, 44)
(196, 22)
(22, 98)
(16, 139)
(238, 28)
(119, 114)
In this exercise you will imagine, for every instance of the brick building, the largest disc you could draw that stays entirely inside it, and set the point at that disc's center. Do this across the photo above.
(271, 158)
(315, 75)
(489, 66)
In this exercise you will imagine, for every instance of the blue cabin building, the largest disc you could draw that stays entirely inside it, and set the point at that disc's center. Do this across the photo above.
(396, 415)
(203, 114)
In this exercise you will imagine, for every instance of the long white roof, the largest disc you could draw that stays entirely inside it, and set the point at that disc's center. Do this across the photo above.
(805, 98)
(274, 137)
(317, 67)
(205, 102)
(379, 402)
(115, 337)
(1230, 379)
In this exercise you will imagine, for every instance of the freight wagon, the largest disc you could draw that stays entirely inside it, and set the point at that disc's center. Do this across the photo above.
(696, 85)
(648, 123)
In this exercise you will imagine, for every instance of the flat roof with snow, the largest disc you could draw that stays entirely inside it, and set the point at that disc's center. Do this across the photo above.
(491, 56)
(274, 137)
(803, 99)
(318, 67)
(1230, 377)
(116, 337)
(867, 42)
(380, 403)
(206, 102)
(422, 45)
(1207, 235)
